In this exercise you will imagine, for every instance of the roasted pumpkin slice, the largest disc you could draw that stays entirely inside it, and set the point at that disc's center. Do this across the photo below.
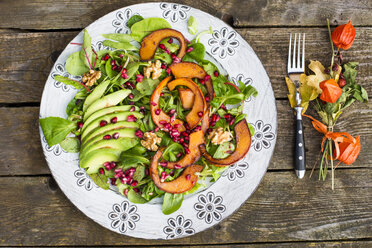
(195, 116)
(157, 114)
(243, 143)
(205, 121)
(183, 183)
(150, 43)
(196, 139)
(187, 97)
(192, 70)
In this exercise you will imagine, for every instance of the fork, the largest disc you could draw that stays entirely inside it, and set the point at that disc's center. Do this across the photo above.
(295, 67)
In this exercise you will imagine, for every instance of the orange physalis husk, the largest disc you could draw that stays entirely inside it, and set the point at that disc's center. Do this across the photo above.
(331, 91)
(343, 36)
(347, 148)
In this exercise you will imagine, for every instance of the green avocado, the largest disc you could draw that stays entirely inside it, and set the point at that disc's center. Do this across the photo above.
(95, 95)
(123, 132)
(95, 159)
(121, 144)
(106, 111)
(94, 125)
(106, 101)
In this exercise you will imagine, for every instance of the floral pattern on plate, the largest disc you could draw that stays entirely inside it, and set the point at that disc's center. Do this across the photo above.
(59, 70)
(178, 227)
(262, 136)
(123, 216)
(174, 11)
(236, 171)
(223, 43)
(209, 207)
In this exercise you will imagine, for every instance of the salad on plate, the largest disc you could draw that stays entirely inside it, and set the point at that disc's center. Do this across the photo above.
(152, 117)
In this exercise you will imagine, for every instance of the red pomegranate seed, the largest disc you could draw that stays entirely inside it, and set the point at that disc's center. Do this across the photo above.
(216, 74)
(179, 155)
(227, 116)
(176, 139)
(146, 172)
(173, 56)
(163, 164)
(107, 165)
(124, 70)
(136, 190)
(197, 128)
(170, 41)
(126, 192)
(218, 117)
(103, 123)
(131, 103)
(106, 57)
(113, 62)
(173, 118)
(114, 67)
(113, 164)
(131, 118)
(134, 183)
(166, 50)
(187, 150)
(162, 46)
(156, 129)
(113, 181)
(115, 135)
(168, 71)
(186, 138)
(182, 140)
(177, 125)
(124, 75)
(171, 173)
(207, 99)
(139, 78)
(176, 60)
(209, 130)
(188, 177)
(177, 166)
(232, 121)
(121, 55)
(101, 171)
(214, 117)
(132, 109)
(189, 49)
(114, 120)
(200, 114)
(202, 81)
(107, 137)
(153, 103)
(139, 134)
(207, 77)
(184, 134)
(157, 112)
(130, 96)
(163, 66)
(79, 124)
(162, 122)
(223, 107)
(172, 111)
(213, 123)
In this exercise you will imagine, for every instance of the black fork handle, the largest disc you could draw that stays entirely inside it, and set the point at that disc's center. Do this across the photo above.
(300, 164)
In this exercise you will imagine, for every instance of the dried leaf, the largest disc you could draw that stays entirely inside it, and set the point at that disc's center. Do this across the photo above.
(314, 80)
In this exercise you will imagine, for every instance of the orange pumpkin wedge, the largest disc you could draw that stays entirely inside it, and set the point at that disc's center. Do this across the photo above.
(154, 107)
(183, 183)
(205, 121)
(194, 117)
(187, 97)
(243, 143)
(192, 70)
(151, 42)
(196, 139)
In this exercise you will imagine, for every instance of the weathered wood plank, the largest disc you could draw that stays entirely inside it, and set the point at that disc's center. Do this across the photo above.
(22, 72)
(21, 152)
(283, 209)
(47, 14)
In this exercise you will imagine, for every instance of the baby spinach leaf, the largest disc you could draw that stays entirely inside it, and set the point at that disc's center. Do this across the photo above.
(192, 25)
(75, 66)
(147, 86)
(223, 150)
(198, 53)
(165, 57)
(135, 197)
(100, 180)
(133, 20)
(55, 129)
(119, 45)
(118, 37)
(109, 70)
(71, 144)
(86, 52)
(171, 203)
(129, 158)
(172, 47)
(139, 174)
(68, 81)
(146, 26)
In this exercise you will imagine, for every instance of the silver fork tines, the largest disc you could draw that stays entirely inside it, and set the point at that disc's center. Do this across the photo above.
(296, 66)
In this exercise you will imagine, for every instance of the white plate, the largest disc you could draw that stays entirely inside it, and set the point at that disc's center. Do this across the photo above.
(200, 210)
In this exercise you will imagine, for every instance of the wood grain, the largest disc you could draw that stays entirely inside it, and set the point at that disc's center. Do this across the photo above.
(22, 72)
(34, 212)
(21, 152)
(47, 14)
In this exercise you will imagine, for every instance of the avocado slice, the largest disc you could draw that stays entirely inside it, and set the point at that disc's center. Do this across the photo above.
(96, 94)
(106, 111)
(121, 144)
(106, 101)
(94, 125)
(95, 159)
(122, 128)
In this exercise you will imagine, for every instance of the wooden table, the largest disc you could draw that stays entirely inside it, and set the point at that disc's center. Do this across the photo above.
(283, 212)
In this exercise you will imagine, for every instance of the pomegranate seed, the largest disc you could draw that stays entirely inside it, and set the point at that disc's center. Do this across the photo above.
(136, 190)
(163, 174)
(187, 150)
(113, 181)
(103, 123)
(157, 112)
(168, 71)
(182, 140)
(209, 130)
(132, 109)
(166, 50)
(134, 183)
(179, 155)
(156, 129)
(202, 81)
(207, 77)
(176, 125)
(214, 117)
(173, 56)
(162, 46)
(227, 116)
(132, 169)
(124, 75)
(197, 128)
(213, 123)
(106, 57)
(171, 173)
(79, 124)
(142, 111)
(114, 120)
(124, 70)
(153, 103)
(139, 78)
(126, 192)
(163, 66)
(184, 134)
(121, 55)
(188, 177)
(107, 137)
(223, 107)
(131, 118)
(176, 139)
(101, 171)
(131, 103)
(189, 49)
(139, 134)
(113, 62)
(176, 60)
(162, 94)
(170, 41)
(200, 114)
(130, 96)
(163, 122)
(186, 138)
(232, 121)
(115, 136)
(163, 164)
(107, 165)
(118, 69)
(173, 118)
(177, 166)
(146, 172)
(114, 67)
(218, 118)
(216, 74)
(113, 164)
(207, 99)
(118, 170)
(142, 107)
(172, 111)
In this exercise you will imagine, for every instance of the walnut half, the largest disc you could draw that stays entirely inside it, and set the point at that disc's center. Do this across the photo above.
(90, 77)
(150, 140)
(154, 68)
(218, 136)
